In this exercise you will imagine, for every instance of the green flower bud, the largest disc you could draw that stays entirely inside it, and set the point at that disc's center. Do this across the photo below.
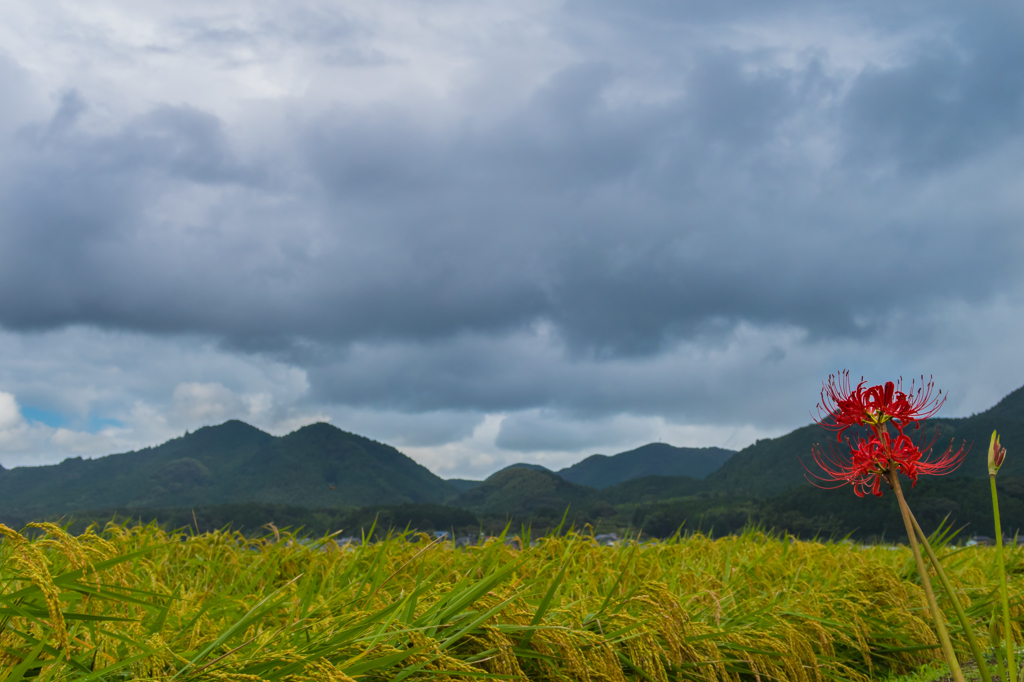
(996, 454)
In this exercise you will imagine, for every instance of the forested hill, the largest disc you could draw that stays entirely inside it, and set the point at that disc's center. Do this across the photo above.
(320, 466)
(775, 465)
(317, 466)
(655, 459)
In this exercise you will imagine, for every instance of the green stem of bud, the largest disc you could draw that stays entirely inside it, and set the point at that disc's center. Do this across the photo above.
(1011, 668)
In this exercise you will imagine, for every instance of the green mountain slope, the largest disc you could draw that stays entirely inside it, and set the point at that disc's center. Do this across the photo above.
(769, 466)
(181, 472)
(462, 484)
(302, 468)
(525, 465)
(655, 459)
(651, 489)
(229, 463)
(1007, 417)
(518, 491)
(322, 466)
(773, 466)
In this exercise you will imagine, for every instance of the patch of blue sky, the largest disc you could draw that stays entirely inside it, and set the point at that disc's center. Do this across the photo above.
(56, 420)
(97, 424)
(48, 417)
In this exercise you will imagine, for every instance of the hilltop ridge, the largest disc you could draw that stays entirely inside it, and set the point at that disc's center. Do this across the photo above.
(322, 466)
(775, 465)
(654, 459)
(317, 465)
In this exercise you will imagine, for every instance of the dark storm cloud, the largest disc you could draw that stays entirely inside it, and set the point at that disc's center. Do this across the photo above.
(78, 208)
(954, 98)
(529, 370)
(624, 228)
(780, 191)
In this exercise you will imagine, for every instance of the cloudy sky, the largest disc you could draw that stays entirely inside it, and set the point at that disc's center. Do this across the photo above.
(488, 232)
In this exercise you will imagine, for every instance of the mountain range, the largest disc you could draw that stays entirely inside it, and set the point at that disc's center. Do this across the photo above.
(321, 466)
(653, 459)
(772, 466)
(316, 466)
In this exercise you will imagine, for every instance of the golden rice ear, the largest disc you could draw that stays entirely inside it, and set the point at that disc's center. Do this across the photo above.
(28, 556)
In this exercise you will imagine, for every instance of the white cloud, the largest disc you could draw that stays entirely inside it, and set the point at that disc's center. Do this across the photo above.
(474, 456)
(10, 413)
(486, 450)
(491, 231)
(564, 439)
(408, 429)
(208, 403)
(117, 392)
(69, 442)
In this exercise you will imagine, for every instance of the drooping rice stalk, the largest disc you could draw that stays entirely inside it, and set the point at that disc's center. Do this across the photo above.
(147, 604)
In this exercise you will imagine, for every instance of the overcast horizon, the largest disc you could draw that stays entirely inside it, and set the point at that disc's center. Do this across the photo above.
(488, 233)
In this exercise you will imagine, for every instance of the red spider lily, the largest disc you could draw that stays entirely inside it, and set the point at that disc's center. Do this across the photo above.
(869, 462)
(842, 406)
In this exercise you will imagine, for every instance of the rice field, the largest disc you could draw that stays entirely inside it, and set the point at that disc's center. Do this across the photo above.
(139, 603)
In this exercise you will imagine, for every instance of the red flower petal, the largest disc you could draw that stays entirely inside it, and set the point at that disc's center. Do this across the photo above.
(843, 406)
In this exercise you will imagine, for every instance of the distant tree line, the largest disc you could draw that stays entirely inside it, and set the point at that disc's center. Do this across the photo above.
(252, 518)
(808, 512)
(805, 512)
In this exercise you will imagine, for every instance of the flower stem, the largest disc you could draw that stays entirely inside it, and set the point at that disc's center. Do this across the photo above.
(1011, 668)
(926, 583)
(968, 629)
